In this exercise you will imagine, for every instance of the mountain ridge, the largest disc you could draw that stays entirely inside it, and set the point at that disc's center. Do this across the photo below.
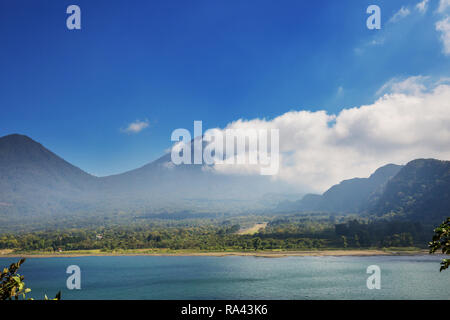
(32, 179)
(35, 182)
(349, 195)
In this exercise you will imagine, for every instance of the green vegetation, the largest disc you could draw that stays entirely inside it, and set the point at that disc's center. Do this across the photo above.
(420, 191)
(288, 232)
(441, 240)
(12, 285)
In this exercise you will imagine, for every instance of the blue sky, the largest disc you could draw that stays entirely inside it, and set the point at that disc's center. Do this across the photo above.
(168, 63)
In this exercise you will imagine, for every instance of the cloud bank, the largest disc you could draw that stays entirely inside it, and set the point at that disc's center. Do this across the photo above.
(317, 149)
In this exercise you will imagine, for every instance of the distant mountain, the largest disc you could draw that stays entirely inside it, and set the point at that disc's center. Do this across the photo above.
(22, 157)
(420, 190)
(32, 177)
(349, 196)
(160, 186)
(36, 182)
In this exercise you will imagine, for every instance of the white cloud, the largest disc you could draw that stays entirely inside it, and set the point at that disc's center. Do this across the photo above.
(422, 6)
(400, 14)
(318, 149)
(136, 126)
(443, 26)
(443, 5)
(411, 85)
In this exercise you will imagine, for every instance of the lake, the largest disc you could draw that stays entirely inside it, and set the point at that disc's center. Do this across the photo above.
(237, 277)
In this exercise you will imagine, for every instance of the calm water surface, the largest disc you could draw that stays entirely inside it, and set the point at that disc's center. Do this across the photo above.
(147, 277)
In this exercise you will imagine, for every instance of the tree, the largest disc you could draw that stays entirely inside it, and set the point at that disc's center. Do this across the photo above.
(441, 240)
(12, 285)
(356, 239)
(256, 243)
(344, 241)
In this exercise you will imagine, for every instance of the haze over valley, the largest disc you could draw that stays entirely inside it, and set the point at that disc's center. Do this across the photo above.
(36, 184)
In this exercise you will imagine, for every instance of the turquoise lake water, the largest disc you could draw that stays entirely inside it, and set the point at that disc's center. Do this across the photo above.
(150, 277)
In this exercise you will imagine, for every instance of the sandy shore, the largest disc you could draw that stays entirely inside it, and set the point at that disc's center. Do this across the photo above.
(265, 254)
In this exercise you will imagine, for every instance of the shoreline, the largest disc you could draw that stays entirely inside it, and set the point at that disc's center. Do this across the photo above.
(262, 254)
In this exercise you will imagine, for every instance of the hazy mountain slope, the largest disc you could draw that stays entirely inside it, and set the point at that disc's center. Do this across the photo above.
(34, 178)
(421, 190)
(22, 157)
(35, 181)
(349, 195)
(352, 195)
(418, 191)
(191, 187)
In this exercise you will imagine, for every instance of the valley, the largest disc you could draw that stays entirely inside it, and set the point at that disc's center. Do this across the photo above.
(54, 207)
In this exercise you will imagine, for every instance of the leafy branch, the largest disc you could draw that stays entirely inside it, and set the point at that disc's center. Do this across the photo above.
(441, 241)
(12, 285)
